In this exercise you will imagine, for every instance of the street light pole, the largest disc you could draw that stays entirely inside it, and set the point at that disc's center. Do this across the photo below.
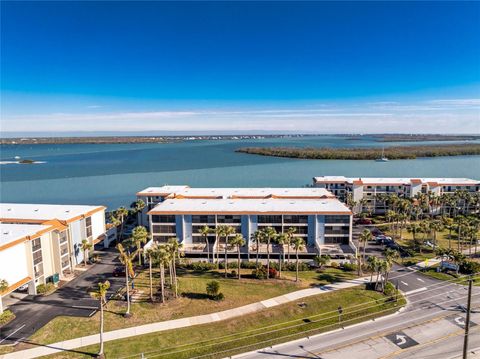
(467, 319)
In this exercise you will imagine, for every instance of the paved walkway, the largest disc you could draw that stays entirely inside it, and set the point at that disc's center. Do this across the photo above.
(183, 322)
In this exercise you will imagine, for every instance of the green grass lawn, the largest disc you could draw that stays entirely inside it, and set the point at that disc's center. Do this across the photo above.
(450, 276)
(192, 300)
(270, 326)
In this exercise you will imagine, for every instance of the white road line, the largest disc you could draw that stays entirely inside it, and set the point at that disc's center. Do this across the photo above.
(416, 290)
(404, 283)
(1, 341)
(83, 307)
(421, 280)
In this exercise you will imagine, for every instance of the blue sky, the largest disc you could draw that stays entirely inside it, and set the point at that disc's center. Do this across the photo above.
(241, 66)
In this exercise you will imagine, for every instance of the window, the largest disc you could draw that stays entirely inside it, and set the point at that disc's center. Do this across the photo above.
(37, 257)
(269, 219)
(36, 244)
(162, 239)
(295, 219)
(337, 219)
(163, 219)
(203, 219)
(88, 226)
(336, 240)
(228, 219)
(164, 229)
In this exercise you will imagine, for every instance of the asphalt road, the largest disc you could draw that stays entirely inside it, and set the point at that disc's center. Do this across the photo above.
(429, 324)
(72, 299)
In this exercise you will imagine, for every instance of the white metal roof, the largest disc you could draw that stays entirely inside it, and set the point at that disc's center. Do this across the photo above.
(251, 206)
(45, 212)
(402, 180)
(151, 191)
(12, 232)
(239, 192)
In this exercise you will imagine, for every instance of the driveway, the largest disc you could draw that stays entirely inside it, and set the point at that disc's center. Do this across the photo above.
(72, 299)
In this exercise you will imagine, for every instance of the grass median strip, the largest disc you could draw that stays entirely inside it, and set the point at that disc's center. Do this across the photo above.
(312, 315)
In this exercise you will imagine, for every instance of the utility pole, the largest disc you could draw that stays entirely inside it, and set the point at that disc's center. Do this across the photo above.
(467, 319)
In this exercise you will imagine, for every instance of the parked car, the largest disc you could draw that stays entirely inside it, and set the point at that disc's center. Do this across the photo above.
(363, 221)
(383, 239)
(393, 245)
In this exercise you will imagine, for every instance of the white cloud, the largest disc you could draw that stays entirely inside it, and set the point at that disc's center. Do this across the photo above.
(434, 116)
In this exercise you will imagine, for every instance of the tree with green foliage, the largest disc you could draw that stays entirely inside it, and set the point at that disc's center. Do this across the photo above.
(205, 231)
(86, 246)
(289, 232)
(237, 241)
(121, 214)
(257, 237)
(268, 235)
(139, 237)
(322, 260)
(364, 238)
(126, 259)
(174, 247)
(213, 288)
(298, 245)
(100, 293)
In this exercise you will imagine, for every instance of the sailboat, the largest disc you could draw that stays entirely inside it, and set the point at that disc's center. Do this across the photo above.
(383, 158)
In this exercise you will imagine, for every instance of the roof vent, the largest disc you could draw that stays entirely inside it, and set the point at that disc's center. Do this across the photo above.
(35, 210)
(6, 232)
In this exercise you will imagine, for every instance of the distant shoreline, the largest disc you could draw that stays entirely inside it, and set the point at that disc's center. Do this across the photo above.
(392, 153)
(180, 138)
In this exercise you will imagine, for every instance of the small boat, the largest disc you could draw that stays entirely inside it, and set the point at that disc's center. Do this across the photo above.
(17, 157)
(383, 158)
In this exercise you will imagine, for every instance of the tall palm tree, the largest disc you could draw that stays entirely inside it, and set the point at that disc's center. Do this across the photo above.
(139, 237)
(85, 246)
(364, 238)
(163, 257)
(150, 253)
(257, 237)
(435, 227)
(220, 232)
(372, 263)
(281, 239)
(268, 235)
(225, 232)
(137, 208)
(121, 213)
(238, 241)
(174, 245)
(448, 224)
(289, 232)
(298, 244)
(205, 231)
(100, 293)
(414, 229)
(126, 259)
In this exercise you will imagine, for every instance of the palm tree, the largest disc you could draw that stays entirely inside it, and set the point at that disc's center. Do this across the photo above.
(85, 246)
(127, 260)
(137, 208)
(268, 235)
(162, 256)
(448, 223)
(237, 240)
(298, 244)
(372, 264)
(257, 237)
(174, 246)
(121, 213)
(139, 236)
(220, 231)
(225, 232)
(100, 293)
(414, 228)
(3, 288)
(281, 239)
(205, 231)
(435, 226)
(289, 232)
(150, 252)
(364, 238)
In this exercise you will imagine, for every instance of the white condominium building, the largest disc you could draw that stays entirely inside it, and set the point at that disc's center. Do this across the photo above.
(180, 211)
(67, 225)
(368, 188)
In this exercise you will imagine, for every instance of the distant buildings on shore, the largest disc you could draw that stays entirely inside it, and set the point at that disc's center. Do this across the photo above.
(366, 192)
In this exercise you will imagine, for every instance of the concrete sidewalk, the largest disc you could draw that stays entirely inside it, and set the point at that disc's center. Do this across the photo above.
(181, 323)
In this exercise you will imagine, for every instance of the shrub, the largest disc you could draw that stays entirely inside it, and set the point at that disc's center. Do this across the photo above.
(302, 266)
(248, 265)
(260, 272)
(6, 316)
(272, 273)
(233, 273)
(334, 264)
(389, 290)
(219, 296)
(44, 289)
(200, 266)
(213, 288)
(469, 267)
(349, 267)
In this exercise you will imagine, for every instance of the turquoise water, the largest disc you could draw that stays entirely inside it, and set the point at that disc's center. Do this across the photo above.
(112, 174)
